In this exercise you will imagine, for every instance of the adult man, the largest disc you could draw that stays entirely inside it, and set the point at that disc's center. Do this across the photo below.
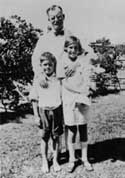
(53, 40)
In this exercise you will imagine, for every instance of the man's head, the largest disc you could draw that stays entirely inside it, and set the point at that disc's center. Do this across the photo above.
(56, 17)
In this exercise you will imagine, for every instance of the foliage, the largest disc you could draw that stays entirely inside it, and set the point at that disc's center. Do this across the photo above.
(107, 55)
(15, 52)
(120, 49)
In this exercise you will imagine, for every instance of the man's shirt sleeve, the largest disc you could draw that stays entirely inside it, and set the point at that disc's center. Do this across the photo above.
(36, 56)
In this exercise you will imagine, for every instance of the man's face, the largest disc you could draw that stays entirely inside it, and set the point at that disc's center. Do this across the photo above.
(56, 19)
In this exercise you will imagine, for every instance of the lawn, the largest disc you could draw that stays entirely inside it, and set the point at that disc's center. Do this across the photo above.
(20, 143)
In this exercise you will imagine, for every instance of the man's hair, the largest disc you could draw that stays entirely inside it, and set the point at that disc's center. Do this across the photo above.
(50, 57)
(73, 39)
(53, 7)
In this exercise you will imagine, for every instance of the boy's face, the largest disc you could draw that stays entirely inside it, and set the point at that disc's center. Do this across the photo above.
(72, 51)
(56, 18)
(47, 67)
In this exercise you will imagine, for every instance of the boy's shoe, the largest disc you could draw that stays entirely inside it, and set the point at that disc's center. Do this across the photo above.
(88, 166)
(71, 167)
(45, 167)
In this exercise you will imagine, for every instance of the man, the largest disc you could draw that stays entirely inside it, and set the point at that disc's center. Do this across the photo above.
(53, 40)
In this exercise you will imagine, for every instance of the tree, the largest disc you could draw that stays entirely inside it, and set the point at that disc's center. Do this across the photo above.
(19, 39)
(107, 59)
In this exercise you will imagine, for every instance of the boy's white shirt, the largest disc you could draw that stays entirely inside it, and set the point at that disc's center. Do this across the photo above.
(48, 98)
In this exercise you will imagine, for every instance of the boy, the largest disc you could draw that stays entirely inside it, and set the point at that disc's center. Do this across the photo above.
(48, 101)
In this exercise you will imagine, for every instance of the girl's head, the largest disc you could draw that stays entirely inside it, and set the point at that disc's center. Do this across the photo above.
(48, 63)
(73, 47)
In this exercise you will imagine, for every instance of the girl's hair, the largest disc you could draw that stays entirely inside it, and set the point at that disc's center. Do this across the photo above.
(73, 39)
(50, 57)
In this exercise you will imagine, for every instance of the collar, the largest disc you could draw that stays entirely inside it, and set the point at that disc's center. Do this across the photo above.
(60, 33)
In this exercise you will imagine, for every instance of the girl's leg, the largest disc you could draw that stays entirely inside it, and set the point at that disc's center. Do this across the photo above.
(72, 130)
(84, 147)
(44, 149)
(83, 133)
(84, 158)
(55, 155)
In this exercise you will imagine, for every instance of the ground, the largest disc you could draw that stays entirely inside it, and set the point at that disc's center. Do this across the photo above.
(20, 143)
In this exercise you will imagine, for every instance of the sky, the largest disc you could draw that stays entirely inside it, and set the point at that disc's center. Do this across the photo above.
(88, 19)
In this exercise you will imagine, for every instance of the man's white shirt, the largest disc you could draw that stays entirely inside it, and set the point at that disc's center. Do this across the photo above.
(49, 42)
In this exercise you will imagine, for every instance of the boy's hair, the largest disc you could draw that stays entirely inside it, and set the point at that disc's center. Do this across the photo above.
(73, 39)
(53, 7)
(50, 57)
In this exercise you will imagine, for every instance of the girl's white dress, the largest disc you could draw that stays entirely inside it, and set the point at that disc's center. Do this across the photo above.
(75, 90)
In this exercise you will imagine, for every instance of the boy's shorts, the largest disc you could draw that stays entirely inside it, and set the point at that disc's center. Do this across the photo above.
(51, 123)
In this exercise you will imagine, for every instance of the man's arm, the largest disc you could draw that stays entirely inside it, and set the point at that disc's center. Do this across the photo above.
(36, 56)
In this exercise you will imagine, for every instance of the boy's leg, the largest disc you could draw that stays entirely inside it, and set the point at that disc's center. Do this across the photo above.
(45, 134)
(57, 131)
(55, 155)
(44, 149)
(72, 130)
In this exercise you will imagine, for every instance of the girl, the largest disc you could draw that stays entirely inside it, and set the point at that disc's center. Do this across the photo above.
(76, 103)
(48, 101)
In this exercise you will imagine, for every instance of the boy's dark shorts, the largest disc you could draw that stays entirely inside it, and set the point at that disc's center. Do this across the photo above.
(52, 125)
(82, 129)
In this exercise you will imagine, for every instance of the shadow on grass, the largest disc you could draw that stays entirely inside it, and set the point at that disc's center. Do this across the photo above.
(109, 149)
(104, 92)
(113, 149)
(15, 115)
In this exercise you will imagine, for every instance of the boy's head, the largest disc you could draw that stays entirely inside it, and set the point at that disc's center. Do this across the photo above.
(48, 63)
(73, 47)
(56, 17)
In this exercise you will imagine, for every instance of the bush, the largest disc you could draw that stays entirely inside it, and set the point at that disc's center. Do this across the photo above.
(107, 56)
(15, 52)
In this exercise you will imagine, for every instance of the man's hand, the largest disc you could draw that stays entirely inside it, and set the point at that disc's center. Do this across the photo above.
(70, 70)
(43, 82)
(37, 120)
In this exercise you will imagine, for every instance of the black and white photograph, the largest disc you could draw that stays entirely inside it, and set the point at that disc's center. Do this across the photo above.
(62, 89)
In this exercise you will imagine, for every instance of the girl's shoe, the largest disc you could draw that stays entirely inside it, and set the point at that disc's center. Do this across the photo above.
(88, 166)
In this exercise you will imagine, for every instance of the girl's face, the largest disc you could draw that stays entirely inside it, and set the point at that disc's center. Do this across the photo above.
(72, 51)
(47, 67)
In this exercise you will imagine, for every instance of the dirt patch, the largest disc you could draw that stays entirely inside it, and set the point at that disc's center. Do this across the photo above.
(20, 144)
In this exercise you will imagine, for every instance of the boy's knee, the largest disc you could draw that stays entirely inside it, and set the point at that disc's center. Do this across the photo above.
(44, 135)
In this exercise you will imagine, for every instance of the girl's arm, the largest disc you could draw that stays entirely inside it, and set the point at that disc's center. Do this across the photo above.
(71, 87)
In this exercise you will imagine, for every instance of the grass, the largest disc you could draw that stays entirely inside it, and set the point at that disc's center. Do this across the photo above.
(20, 143)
